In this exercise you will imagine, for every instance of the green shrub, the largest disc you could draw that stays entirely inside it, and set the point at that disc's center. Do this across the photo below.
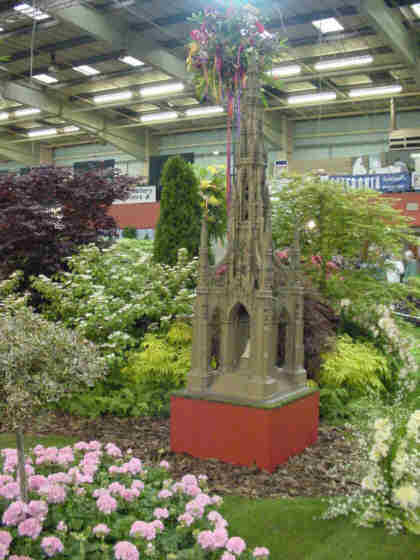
(129, 232)
(351, 371)
(161, 366)
(180, 212)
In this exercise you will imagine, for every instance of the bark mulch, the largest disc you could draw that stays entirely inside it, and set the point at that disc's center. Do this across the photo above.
(327, 468)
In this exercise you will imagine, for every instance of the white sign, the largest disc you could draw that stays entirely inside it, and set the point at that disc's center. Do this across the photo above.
(280, 166)
(140, 194)
(415, 181)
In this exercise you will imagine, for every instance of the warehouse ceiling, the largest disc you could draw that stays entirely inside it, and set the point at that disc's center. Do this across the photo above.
(82, 45)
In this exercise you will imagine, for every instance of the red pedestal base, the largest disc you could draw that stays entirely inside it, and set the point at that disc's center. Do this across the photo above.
(243, 435)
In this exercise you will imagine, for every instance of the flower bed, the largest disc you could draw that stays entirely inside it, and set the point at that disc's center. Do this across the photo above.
(91, 501)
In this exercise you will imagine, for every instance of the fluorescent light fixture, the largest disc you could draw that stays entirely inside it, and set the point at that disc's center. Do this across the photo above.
(328, 25)
(1, 29)
(70, 128)
(415, 155)
(4, 116)
(216, 153)
(31, 12)
(42, 132)
(416, 9)
(197, 111)
(343, 62)
(86, 70)
(45, 78)
(159, 90)
(26, 112)
(167, 115)
(310, 97)
(283, 71)
(384, 90)
(131, 60)
(109, 97)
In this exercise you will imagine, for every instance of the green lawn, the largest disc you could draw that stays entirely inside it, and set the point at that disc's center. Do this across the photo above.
(292, 530)
(8, 440)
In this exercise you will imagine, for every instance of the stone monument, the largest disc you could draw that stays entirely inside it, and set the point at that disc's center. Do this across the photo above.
(235, 379)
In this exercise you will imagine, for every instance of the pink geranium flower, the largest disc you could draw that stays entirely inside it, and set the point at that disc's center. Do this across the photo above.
(124, 550)
(51, 546)
(236, 545)
(31, 528)
(260, 552)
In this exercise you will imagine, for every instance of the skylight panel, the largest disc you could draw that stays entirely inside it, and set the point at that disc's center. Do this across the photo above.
(328, 25)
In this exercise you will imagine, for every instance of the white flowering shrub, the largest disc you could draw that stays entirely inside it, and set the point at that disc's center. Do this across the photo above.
(111, 296)
(375, 324)
(91, 501)
(390, 489)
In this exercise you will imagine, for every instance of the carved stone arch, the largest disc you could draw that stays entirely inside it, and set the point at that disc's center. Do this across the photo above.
(215, 333)
(240, 331)
(282, 324)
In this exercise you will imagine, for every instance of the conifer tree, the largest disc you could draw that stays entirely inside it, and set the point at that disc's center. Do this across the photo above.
(180, 212)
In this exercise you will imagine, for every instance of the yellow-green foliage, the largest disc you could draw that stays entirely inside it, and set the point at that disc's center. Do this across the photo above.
(356, 366)
(161, 365)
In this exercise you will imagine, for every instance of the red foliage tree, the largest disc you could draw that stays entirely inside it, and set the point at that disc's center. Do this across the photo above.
(46, 214)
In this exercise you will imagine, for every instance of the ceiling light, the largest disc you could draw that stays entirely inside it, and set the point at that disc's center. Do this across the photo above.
(109, 97)
(130, 60)
(158, 90)
(31, 12)
(415, 155)
(308, 98)
(159, 116)
(328, 25)
(45, 78)
(26, 112)
(216, 153)
(70, 128)
(197, 111)
(1, 29)
(384, 90)
(343, 62)
(416, 9)
(42, 132)
(283, 71)
(86, 70)
(4, 116)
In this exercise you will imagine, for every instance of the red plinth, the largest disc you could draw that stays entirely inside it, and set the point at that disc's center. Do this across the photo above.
(243, 435)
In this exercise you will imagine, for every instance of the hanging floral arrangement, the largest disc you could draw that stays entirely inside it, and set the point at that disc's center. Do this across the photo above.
(222, 46)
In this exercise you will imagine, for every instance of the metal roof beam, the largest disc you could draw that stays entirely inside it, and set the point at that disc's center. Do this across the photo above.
(131, 143)
(28, 155)
(384, 20)
(115, 32)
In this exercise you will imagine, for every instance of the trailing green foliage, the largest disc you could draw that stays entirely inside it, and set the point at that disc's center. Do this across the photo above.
(349, 372)
(180, 212)
(161, 366)
(212, 184)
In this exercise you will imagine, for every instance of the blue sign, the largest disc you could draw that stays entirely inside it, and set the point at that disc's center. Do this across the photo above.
(387, 182)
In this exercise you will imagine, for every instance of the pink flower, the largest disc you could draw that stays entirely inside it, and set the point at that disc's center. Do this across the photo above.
(101, 530)
(81, 446)
(227, 556)
(220, 536)
(143, 529)
(260, 552)
(186, 519)
(15, 557)
(4, 551)
(112, 450)
(124, 550)
(54, 493)
(206, 540)
(195, 34)
(137, 485)
(157, 524)
(106, 503)
(161, 513)
(260, 27)
(236, 545)
(5, 538)
(189, 479)
(36, 481)
(51, 546)
(15, 513)
(62, 527)
(10, 491)
(217, 519)
(164, 465)
(30, 528)
(134, 466)
(38, 509)
(164, 494)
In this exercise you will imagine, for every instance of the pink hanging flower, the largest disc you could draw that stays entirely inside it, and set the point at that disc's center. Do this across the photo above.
(260, 27)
